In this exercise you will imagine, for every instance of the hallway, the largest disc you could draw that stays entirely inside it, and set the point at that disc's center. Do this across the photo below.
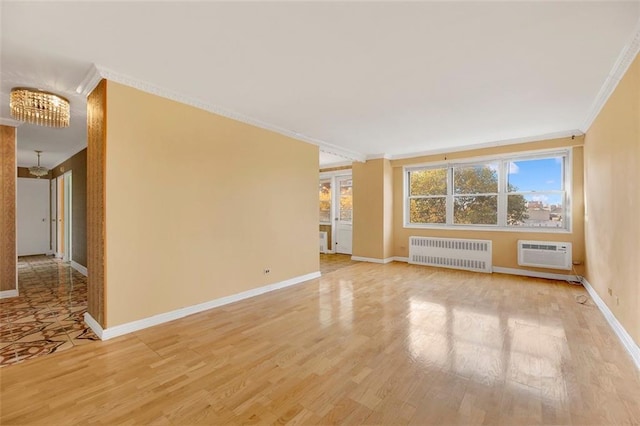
(47, 317)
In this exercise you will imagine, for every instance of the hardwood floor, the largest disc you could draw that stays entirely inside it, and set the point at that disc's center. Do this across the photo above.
(48, 315)
(366, 344)
(333, 262)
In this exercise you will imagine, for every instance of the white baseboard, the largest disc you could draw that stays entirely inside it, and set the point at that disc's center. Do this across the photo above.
(94, 325)
(534, 274)
(119, 330)
(8, 293)
(372, 259)
(400, 259)
(78, 267)
(627, 341)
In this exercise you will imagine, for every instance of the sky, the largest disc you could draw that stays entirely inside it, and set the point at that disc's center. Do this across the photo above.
(538, 175)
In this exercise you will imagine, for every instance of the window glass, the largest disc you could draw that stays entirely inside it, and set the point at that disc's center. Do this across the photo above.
(428, 182)
(428, 210)
(536, 175)
(325, 201)
(476, 179)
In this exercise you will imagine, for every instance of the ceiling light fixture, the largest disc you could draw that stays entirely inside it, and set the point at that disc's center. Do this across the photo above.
(38, 170)
(39, 107)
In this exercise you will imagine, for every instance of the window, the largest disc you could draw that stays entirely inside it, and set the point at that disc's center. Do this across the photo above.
(505, 193)
(325, 201)
(428, 195)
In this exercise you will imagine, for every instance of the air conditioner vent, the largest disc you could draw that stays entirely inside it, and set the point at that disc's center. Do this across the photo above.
(544, 254)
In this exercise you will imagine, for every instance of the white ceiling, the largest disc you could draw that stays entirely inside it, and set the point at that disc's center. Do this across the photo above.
(358, 78)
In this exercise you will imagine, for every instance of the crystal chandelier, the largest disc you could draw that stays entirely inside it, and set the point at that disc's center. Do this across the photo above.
(39, 107)
(38, 170)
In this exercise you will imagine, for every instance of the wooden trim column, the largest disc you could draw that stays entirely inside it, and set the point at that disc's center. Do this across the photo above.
(96, 156)
(8, 276)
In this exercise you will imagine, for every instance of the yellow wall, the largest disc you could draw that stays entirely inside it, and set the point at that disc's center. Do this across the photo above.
(197, 205)
(368, 209)
(388, 209)
(373, 209)
(504, 243)
(612, 170)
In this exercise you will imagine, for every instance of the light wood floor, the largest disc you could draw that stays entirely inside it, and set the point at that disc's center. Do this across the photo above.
(367, 344)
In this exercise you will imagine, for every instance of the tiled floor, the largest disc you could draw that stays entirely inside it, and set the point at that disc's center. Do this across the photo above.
(48, 315)
(333, 262)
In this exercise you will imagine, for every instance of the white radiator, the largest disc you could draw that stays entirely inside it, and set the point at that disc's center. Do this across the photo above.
(544, 254)
(471, 255)
(323, 241)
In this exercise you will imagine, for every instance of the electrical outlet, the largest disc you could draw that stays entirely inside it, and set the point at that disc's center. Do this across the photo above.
(267, 270)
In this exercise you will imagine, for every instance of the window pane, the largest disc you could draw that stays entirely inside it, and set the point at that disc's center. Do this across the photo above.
(428, 210)
(476, 179)
(428, 182)
(476, 210)
(325, 201)
(536, 210)
(536, 175)
(346, 200)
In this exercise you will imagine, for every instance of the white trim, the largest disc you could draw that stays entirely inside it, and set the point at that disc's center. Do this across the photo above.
(90, 81)
(178, 97)
(93, 325)
(372, 259)
(338, 164)
(400, 259)
(620, 67)
(534, 274)
(122, 329)
(10, 122)
(78, 267)
(8, 293)
(378, 156)
(516, 141)
(627, 341)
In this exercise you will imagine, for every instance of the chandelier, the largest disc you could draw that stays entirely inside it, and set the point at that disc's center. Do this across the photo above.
(38, 170)
(39, 107)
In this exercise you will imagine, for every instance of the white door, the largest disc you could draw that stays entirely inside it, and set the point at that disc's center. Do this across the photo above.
(32, 216)
(344, 214)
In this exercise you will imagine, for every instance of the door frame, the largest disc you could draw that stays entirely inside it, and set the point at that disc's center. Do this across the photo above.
(333, 177)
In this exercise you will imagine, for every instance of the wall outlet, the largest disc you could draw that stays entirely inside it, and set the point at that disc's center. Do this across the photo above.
(267, 270)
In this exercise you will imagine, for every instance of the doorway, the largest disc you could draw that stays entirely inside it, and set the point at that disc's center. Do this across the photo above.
(336, 211)
(62, 217)
(344, 215)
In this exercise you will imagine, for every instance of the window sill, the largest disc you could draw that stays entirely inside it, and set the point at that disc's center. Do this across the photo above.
(540, 230)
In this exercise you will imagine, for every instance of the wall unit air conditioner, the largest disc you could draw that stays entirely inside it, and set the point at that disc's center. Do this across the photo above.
(544, 254)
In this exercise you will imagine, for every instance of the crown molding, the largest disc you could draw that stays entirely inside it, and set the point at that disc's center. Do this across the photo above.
(516, 141)
(90, 81)
(178, 97)
(620, 67)
(378, 156)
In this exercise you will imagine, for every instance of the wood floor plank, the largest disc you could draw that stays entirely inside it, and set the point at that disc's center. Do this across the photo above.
(364, 344)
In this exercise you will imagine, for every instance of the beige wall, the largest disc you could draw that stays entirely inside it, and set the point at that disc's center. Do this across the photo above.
(197, 205)
(504, 244)
(387, 220)
(612, 170)
(371, 222)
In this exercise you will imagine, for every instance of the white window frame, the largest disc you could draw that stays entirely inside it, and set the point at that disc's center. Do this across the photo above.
(502, 160)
